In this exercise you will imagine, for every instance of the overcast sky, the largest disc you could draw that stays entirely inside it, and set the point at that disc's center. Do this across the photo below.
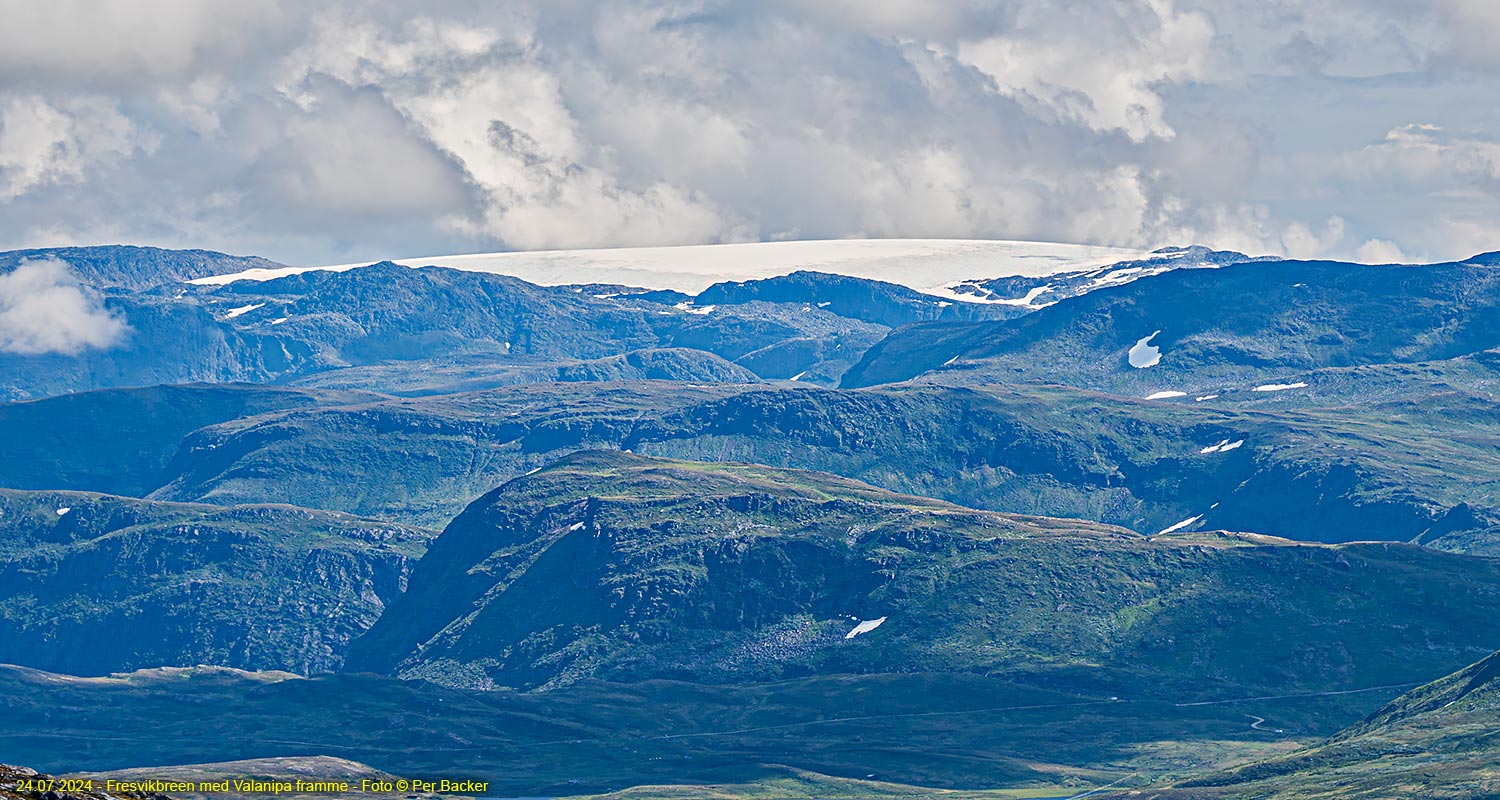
(329, 132)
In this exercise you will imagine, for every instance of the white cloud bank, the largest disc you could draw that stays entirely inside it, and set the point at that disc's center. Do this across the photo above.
(44, 309)
(339, 131)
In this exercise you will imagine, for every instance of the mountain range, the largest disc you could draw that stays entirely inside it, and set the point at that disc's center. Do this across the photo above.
(793, 520)
(1394, 471)
(1200, 332)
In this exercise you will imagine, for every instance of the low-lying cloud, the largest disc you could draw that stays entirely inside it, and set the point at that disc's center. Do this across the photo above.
(45, 310)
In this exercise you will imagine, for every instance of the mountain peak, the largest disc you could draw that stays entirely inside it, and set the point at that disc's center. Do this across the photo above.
(138, 268)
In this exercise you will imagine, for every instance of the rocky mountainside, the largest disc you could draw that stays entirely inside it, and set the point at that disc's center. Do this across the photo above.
(384, 315)
(481, 327)
(92, 584)
(136, 268)
(22, 783)
(1209, 323)
(875, 302)
(1030, 292)
(1204, 331)
(628, 568)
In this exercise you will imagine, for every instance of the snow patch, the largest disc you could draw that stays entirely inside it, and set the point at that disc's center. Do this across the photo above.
(1118, 276)
(1179, 526)
(1205, 397)
(825, 304)
(1279, 387)
(279, 320)
(1143, 354)
(1031, 296)
(692, 309)
(1165, 395)
(950, 362)
(1222, 447)
(242, 310)
(798, 376)
(577, 526)
(63, 511)
(865, 627)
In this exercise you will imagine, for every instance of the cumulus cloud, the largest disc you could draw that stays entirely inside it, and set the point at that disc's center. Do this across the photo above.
(1379, 251)
(129, 43)
(1097, 64)
(42, 144)
(349, 155)
(489, 101)
(44, 309)
(341, 131)
(1426, 156)
(1301, 242)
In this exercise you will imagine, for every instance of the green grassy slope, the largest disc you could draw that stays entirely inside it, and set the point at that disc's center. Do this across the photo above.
(93, 583)
(622, 567)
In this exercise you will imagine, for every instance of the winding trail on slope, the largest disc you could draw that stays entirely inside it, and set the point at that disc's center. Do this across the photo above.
(1259, 723)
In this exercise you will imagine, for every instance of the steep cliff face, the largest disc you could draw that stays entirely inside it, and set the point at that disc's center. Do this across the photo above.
(92, 584)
